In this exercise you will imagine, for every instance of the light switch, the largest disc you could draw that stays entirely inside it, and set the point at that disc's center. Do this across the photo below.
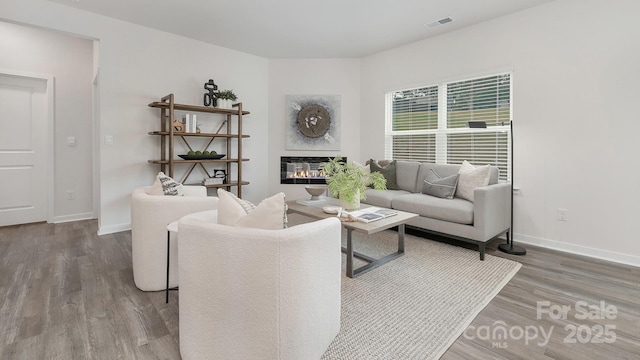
(71, 140)
(108, 139)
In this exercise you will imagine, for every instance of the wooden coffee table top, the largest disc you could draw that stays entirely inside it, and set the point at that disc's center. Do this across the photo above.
(316, 212)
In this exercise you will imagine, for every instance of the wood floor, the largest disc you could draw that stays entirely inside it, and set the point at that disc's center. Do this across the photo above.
(66, 293)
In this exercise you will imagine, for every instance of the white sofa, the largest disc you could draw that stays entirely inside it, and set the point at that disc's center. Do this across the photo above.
(150, 215)
(258, 294)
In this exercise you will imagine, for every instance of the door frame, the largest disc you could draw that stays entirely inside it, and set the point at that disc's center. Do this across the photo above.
(50, 158)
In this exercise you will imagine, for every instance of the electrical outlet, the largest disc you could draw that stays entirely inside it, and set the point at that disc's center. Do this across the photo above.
(562, 214)
(71, 194)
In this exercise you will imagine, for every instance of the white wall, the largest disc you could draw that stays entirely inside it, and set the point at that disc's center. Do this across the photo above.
(311, 77)
(575, 80)
(137, 66)
(575, 66)
(69, 60)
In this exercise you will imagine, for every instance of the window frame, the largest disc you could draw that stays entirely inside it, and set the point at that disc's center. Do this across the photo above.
(442, 131)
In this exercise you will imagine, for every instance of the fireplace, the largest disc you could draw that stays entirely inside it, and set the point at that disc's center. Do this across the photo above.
(302, 169)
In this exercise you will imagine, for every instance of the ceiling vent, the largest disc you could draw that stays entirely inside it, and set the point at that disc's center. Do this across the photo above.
(439, 22)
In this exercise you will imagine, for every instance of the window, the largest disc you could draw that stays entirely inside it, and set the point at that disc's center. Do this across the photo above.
(430, 123)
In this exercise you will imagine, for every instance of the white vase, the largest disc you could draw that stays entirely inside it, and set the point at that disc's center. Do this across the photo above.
(224, 104)
(353, 205)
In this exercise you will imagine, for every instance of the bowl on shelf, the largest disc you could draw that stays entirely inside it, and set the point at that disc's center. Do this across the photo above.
(315, 190)
(202, 157)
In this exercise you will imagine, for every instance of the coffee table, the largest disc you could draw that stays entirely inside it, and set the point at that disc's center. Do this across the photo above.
(399, 220)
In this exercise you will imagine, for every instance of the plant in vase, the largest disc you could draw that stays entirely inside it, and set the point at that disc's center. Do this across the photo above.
(225, 98)
(348, 181)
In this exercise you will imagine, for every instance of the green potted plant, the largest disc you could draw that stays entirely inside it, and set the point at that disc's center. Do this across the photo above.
(225, 98)
(348, 181)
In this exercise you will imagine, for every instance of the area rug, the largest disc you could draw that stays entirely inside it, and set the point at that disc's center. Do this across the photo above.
(416, 306)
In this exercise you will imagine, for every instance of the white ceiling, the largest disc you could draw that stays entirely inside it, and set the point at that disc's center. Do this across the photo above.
(304, 28)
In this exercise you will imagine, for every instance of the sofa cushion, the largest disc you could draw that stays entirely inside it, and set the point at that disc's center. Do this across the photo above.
(471, 177)
(388, 171)
(437, 186)
(455, 210)
(407, 174)
(382, 198)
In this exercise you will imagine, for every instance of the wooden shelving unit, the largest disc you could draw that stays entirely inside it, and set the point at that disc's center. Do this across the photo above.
(168, 135)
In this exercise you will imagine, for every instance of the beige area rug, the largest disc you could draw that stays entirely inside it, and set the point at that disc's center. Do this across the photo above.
(416, 306)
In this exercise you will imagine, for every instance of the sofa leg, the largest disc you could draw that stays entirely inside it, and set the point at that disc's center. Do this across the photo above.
(481, 249)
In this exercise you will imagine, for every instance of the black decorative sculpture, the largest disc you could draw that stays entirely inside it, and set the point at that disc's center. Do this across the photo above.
(210, 97)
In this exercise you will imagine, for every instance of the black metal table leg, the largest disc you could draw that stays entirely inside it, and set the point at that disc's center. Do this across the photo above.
(372, 262)
(349, 270)
(168, 249)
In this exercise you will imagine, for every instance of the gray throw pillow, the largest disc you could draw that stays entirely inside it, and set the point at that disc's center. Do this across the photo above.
(388, 171)
(437, 186)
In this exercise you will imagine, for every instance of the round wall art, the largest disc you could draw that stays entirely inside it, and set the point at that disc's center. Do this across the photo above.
(313, 122)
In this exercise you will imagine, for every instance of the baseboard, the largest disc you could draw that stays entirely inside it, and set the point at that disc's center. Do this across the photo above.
(105, 230)
(601, 254)
(73, 217)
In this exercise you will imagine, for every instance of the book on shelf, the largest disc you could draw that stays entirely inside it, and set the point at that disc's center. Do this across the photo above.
(186, 120)
(370, 214)
(189, 121)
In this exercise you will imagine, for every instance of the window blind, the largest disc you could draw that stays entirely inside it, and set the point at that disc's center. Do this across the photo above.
(430, 123)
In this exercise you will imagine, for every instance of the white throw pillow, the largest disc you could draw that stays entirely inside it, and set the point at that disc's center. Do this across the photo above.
(471, 177)
(270, 214)
(165, 185)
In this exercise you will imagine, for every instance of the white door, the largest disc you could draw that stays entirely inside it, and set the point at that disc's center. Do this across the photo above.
(23, 149)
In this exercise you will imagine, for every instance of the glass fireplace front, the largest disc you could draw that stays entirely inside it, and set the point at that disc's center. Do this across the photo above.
(303, 169)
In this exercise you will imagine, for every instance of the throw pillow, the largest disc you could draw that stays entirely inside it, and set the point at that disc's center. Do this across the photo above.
(437, 186)
(270, 214)
(156, 188)
(164, 185)
(471, 177)
(388, 171)
(367, 168)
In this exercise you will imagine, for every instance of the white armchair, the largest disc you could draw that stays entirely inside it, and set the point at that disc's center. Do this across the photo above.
(150, 215)
(258, 294)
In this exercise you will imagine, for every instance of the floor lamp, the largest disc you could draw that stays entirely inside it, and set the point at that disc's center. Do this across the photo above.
(509, 247)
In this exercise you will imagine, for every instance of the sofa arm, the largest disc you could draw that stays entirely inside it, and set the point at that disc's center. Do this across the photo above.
(492, 210)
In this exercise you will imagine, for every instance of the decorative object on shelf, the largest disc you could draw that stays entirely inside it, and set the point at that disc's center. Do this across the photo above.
(190, 123)
(212, 181)
(348, 181)
(315, 191)
(210, 97)
(202, 156)
(225, 99)
(220, 174)
(177, 126)
(312, 122)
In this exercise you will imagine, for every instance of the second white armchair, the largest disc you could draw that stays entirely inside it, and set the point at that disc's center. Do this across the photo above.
(150, 215)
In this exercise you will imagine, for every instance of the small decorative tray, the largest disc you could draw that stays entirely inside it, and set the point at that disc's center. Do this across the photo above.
(202, 157)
